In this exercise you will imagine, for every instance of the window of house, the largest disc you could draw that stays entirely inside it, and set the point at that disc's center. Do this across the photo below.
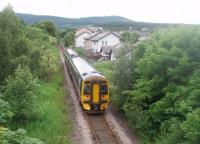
(102, 42)
(106, 43)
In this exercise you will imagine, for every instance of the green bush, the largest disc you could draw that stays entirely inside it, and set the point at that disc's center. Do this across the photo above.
(48, 26)
(16, 137)
(156, 84)
(21, 92)
(47, 64)
(5, 113)
(123, 73)
(106, 68)
(80, 51)
(129, 37)
(27, 52)
(9, 32)
(69, 39)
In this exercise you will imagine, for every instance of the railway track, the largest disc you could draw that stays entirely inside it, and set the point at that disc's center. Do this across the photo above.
(101, 130)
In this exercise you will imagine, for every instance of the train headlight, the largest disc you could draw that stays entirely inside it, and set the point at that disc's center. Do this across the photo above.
(87, 97)
(103, 96)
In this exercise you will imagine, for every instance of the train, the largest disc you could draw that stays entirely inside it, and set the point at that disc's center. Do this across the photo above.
(91, 86)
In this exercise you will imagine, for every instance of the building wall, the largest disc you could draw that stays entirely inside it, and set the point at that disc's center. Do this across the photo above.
(88, 44)
(112, 57)
(95, 46)
(109, 40)
(79, 41)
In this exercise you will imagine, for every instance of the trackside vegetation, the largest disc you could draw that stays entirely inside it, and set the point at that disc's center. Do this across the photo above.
(32, 109)
(157, 86)
(52, 125)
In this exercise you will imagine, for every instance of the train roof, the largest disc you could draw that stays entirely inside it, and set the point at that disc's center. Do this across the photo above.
(72, 53)
(84, 68)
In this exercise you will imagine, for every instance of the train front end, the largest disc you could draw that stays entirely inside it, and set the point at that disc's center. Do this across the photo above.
(95, 94)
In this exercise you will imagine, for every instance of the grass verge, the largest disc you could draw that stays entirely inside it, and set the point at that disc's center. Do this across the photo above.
(53, 125)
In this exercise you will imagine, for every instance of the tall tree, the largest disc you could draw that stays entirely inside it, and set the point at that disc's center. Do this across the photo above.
(49, 27)
(8, 33)
(123, 74)
(69, 39)
(130, 37)
(48, 64)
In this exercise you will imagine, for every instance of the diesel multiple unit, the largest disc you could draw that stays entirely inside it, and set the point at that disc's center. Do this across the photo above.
(91, 86)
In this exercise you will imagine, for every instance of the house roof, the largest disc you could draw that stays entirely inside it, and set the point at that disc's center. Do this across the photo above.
(84, 27)
(92, 35)
(90, 30)
(81, 34)
(102, 35)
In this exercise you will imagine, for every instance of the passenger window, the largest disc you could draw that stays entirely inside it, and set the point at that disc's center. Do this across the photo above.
(87, 89)
(104, 89)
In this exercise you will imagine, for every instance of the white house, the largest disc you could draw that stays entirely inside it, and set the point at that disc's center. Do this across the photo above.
(82, 33)
(99, 39)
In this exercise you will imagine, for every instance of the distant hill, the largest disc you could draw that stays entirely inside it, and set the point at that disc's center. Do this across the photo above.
(111, 22)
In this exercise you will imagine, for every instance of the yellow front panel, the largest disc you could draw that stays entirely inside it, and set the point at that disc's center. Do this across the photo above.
(95, 93)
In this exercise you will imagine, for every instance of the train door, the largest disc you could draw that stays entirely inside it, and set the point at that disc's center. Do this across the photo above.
(95, 93)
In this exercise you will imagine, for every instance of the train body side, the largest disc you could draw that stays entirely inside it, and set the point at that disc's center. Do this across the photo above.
(91, 86)
(72, 69)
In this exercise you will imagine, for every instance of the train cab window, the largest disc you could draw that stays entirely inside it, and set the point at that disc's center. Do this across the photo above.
(87, 89)
(104, 89)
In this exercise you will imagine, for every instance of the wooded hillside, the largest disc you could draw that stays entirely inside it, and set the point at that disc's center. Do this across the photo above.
(110, 22)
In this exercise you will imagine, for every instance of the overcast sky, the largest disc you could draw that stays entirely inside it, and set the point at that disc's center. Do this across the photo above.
(171, 11)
